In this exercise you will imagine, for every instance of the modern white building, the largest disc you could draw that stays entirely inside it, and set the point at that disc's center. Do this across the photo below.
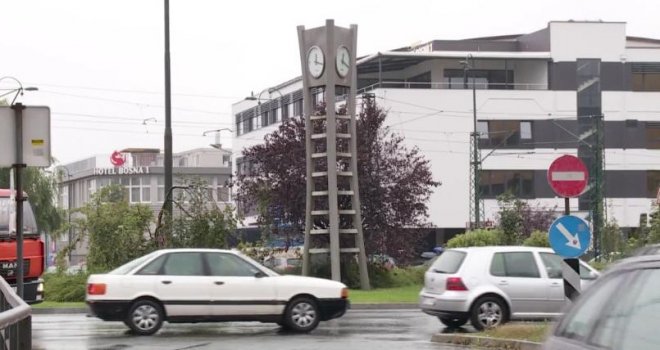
(526, 106)
(141, 172)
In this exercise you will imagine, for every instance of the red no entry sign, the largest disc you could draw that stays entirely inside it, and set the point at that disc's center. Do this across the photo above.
(568, 176)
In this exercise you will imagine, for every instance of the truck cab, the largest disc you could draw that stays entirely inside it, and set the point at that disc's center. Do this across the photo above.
(33, 248)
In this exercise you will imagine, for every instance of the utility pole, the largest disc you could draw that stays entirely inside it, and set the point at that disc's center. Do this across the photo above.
(590, 149)
(475, 153)
(167, 162)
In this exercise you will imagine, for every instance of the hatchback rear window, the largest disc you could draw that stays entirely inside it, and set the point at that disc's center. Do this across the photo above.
(449, 262)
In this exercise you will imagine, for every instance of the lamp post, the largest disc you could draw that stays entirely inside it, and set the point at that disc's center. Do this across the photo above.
(18, 91)
(167, 161)
(475, 164)
(259, 99)
(217, 143)
(68, 206)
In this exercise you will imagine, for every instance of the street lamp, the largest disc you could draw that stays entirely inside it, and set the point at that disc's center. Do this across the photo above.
(259, 99)
(217, 143)
(19, 90)
(69, 204)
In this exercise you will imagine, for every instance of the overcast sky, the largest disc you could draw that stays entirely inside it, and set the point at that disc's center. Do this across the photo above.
(99, 64)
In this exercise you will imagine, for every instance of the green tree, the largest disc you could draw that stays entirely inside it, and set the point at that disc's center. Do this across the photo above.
(395, 183)
(198, 221)
(41, 188)
(517, 219)
(115, 230)
(654, 229)
(537, 239)
(477, 238)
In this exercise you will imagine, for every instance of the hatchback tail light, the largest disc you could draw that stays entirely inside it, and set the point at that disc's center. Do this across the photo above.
(455, 284)
(96, 288)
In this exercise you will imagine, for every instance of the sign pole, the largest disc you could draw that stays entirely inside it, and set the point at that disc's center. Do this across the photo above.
(569, 236)
(18, 166)
(570, 268)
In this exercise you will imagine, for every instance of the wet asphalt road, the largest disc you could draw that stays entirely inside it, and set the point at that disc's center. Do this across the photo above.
(358, 329)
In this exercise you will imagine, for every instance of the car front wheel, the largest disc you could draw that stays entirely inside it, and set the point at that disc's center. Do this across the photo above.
(454, 322)
(488, 312)
(302, 315)
(145, 317)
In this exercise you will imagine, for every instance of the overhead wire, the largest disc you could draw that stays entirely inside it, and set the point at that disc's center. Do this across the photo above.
(133, 91)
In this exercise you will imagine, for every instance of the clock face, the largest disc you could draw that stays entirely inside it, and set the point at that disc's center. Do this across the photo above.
(343, 61)
(315, 61)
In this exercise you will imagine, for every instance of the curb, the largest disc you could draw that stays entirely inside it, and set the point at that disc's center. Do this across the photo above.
(396, 306)
(84, 310)
(63, 310)
(485, 342)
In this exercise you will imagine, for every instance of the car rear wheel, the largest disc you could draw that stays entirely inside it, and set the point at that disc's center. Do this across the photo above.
(453, 322)
(488, 312)
(145, 317)
(302, 315)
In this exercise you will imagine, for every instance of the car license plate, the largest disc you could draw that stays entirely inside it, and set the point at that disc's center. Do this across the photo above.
(428, 301)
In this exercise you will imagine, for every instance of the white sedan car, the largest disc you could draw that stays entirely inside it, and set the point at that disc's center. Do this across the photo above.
(210, 285)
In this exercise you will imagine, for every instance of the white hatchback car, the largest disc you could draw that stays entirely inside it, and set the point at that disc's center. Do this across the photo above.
(490, 285)
(210, 285)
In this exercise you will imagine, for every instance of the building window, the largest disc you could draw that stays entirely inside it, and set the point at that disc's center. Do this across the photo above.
(161, 188)
(504, 133)
(298, 108)
(484, 78)
(285, 111)
(421, 81)
(274, 116)
(652, 135)
(222, 194)
(264, 119)
(646, 76)
(653, 182)
(519, 183)
(482, 129)
(139, 189)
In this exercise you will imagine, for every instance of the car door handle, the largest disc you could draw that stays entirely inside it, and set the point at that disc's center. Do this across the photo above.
(165, 282)
(219, 283)
(504, 283)
(556, 283)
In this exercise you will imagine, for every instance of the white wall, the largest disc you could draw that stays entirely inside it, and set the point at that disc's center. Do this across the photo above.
(439, 123)
(572, 40)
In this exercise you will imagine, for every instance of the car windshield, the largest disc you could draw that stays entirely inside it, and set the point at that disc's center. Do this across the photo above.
(449, 262)
(129, 266)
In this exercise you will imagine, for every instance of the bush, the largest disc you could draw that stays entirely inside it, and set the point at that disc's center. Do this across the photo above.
(381, 277)
(63, 287)
(537, 239)
(476, 238)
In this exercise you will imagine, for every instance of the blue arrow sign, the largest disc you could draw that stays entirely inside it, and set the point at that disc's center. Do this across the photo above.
(569, 236)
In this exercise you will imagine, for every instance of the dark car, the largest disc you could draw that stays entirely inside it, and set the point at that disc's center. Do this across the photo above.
(620, 311)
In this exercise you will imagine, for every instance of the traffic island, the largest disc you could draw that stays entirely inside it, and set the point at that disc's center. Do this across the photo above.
(516, 336)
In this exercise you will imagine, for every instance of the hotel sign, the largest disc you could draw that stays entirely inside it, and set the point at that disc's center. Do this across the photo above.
(134, 170)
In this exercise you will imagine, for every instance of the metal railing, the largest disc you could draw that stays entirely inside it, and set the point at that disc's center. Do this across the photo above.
(451, 86)
(15, 320)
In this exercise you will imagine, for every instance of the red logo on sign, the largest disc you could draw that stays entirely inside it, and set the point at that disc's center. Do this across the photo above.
(117, 158)
(568, 176)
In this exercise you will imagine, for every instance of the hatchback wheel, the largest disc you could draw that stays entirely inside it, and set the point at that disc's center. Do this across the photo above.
(488, 312)
(145, 317)
(302, 315)
(453, 322)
